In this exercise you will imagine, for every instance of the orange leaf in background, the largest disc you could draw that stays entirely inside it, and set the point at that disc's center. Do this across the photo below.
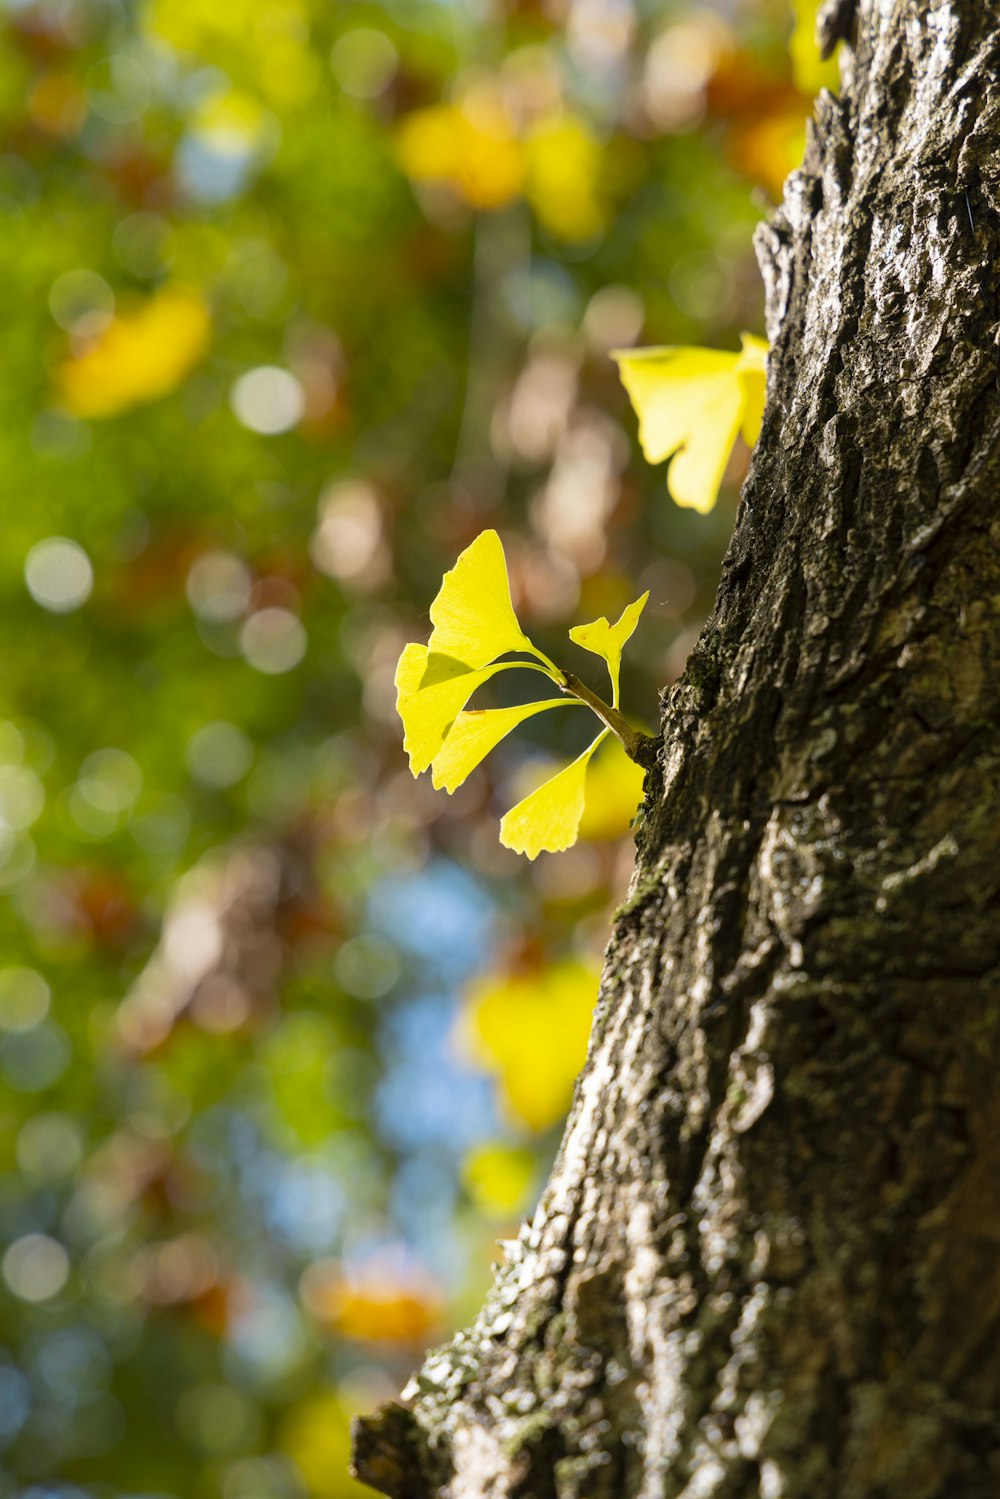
(57, 104)
(767, 150)
(140, 356)
(382, 1306)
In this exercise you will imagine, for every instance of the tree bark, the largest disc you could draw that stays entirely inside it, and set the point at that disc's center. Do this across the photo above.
(767, 1262)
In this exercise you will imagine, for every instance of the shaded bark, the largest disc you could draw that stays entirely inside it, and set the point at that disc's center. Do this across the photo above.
(767, 1262)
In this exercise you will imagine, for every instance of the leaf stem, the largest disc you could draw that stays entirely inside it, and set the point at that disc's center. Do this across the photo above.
(638, 746)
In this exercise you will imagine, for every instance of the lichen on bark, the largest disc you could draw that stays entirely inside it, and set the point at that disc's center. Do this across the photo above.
(767, 1262)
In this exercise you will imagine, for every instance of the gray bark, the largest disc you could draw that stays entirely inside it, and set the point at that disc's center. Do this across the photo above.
(767, 1262)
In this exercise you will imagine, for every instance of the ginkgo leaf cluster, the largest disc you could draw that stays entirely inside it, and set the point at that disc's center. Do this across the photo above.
(692, 404)
(474, 627)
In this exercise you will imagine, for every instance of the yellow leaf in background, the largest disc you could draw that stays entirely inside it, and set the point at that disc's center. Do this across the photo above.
(549, 819)
(531, 1032)
(810, 72)
(140, 356)
(751, 370)
(500, 1178)
(387, 1314)
(431, 691)
(471, 149)
(609, 640)
(473, 618)
(316, 1435)
(614, 791)
(473, 735)
(691, 404)
(564, 165)
(262, 42)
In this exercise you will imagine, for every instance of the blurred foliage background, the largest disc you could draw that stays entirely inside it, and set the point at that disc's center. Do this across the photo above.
(299, 295)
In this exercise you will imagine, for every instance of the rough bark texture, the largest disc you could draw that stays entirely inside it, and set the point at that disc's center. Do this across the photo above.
(768, 1260)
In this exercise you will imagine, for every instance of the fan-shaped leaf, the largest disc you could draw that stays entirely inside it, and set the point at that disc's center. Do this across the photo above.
(549, 819)
(609, 640)
(473, 735)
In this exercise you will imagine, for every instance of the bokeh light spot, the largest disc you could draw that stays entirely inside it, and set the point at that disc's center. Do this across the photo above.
(367, 967)
(217, 1419)
(24, 999)
(81, 301)
(219, 754)
(49, 1147)
(273, 641)
(268, 400)
(36, 1267)
(363, 61)
(22, 797)
(59, 574)
(218, 587)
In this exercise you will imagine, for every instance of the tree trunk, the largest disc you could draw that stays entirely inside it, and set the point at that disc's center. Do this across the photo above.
(767, 1262)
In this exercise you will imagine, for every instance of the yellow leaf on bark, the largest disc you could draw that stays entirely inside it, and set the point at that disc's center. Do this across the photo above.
(751, 371)
(614, 791)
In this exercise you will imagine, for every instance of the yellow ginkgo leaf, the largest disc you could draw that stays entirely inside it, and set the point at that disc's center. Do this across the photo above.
(473, 735)
(140, 355)
(751, 370)
(690, 403)
(809, 70)
(614, 792)
(609, 640)
(549, 819)
(473, 618)
(431, 692)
